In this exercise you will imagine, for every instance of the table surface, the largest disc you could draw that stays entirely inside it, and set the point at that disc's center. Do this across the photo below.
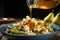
(57, 37)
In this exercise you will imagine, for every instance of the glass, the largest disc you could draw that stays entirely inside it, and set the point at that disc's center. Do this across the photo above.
(41, 4)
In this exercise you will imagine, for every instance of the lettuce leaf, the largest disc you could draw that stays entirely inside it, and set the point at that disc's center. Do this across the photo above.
(15, 31)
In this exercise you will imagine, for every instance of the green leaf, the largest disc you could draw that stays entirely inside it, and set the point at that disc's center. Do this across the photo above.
(15, 31)
(50, 28)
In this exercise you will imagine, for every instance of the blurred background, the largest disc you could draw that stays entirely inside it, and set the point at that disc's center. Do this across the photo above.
(19, 9)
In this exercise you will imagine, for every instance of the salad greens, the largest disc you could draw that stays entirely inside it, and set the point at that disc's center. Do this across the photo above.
(15, 31)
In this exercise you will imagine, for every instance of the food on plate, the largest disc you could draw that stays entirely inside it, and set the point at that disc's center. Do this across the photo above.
(30, 26)
(49, 18)
(56, 20)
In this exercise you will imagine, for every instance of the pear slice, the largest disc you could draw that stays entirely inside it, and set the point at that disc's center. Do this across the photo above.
(49, 18)
(56, 20)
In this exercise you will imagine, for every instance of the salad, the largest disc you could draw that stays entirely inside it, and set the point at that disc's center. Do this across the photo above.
(30, 26)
